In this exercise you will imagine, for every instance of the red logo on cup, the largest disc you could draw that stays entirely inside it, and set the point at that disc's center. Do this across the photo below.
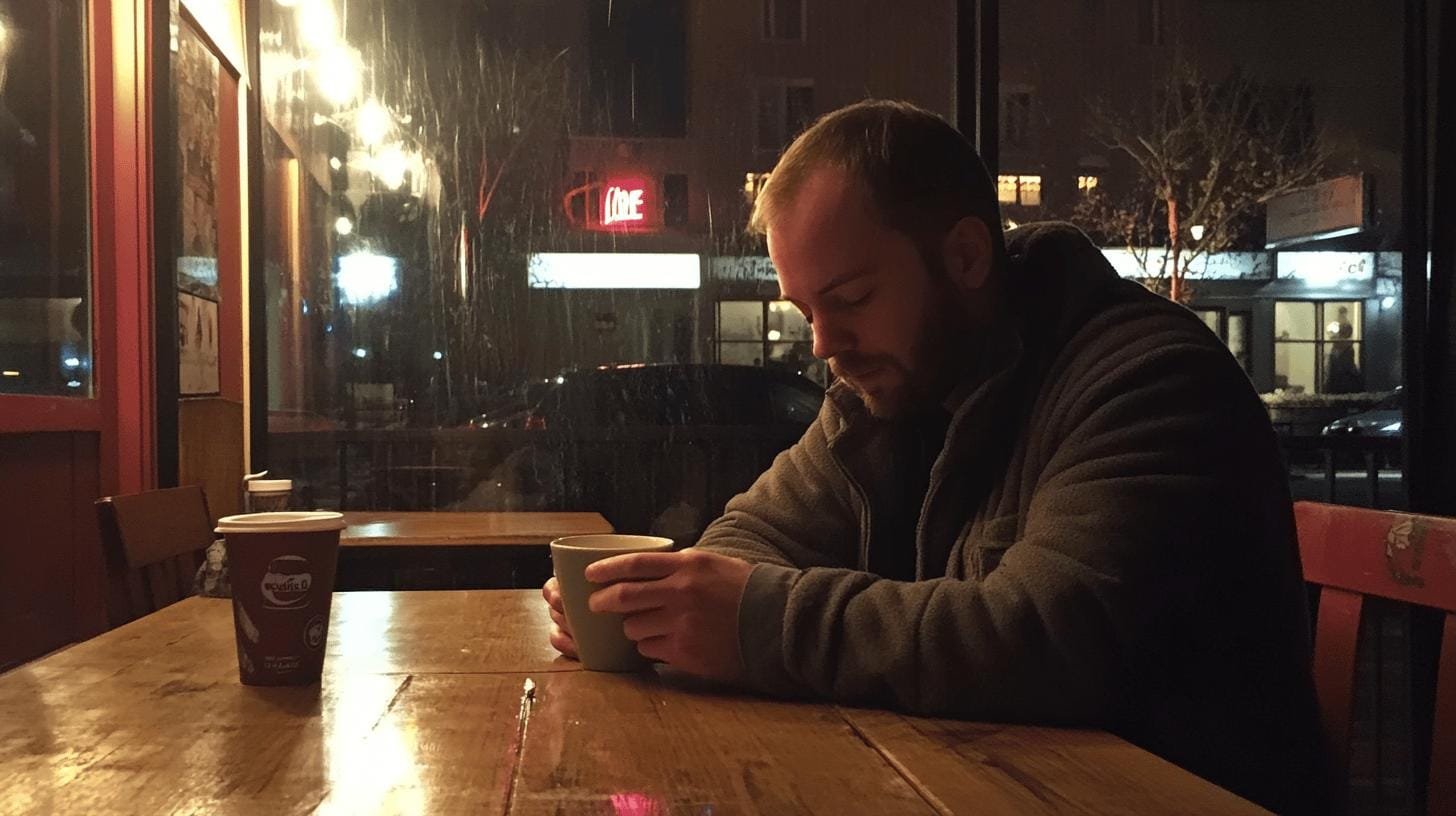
(286, 583)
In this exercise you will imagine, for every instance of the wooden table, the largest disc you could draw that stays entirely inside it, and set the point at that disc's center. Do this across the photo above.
(452, 550)
(422, 710)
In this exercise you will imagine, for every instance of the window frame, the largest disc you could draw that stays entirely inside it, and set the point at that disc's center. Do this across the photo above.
(768, 32)
(1320, 343)
(779, 86)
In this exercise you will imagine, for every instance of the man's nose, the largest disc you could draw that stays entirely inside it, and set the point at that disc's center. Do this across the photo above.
(831, 339)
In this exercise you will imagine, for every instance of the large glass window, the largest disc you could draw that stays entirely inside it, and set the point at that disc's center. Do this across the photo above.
(483, 222)
(45, 290)
(1317, 346)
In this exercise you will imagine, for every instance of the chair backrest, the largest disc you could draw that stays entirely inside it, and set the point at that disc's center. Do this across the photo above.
(1352, 553)
(154, 543)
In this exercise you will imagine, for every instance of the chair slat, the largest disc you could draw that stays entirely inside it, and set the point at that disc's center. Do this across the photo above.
(1441, 791)
(1337, 630)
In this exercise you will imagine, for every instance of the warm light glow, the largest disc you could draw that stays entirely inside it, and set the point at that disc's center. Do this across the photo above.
(774, 335)
(335, 163)
(463, 260)
(1333, 327)
(1086, 184)
(1196, 231)
(9, 373)
(343, 226)
(372, 124)
(337, 72)
(365, 277)
(4, 33)
(318, 26)
(390, 164)
(620, 204)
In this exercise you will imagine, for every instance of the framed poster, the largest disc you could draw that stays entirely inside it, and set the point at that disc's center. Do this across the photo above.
(197, 73)
(197, 345)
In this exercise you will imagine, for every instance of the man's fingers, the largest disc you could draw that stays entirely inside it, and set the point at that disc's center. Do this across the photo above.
(562, 642)
(634, 567)
(559, 619)
(552, 593)
(628, 597)
(655, 649)
(645, 625)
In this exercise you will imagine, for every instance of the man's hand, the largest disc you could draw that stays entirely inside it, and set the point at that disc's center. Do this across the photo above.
(679, 607)
(561, 639)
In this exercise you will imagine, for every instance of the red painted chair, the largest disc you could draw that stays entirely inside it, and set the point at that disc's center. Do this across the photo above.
(1352, 553)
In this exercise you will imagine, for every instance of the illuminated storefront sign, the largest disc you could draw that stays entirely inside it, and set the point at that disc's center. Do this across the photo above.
(616, 204)
(621, 205)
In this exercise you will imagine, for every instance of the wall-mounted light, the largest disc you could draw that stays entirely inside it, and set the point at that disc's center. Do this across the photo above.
(71, 362)
(9, 372)
(365, 277)
(343, 226)
(338, 74)
(318, 26)
(361, 353)
(335, 163)
(372, 123)
(439, 355)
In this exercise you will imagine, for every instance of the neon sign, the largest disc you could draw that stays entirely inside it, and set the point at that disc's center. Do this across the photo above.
(622, 205)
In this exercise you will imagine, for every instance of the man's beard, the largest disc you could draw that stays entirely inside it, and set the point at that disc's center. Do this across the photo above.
(941, 341)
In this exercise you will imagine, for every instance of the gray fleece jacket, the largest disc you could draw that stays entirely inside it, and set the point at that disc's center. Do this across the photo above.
(1107, 541)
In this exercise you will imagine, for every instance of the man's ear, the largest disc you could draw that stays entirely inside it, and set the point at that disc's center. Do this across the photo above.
(968, 254)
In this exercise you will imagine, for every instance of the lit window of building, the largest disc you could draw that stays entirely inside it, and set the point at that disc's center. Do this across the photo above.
(1019, 190)
(753, 184)
(1087, 184)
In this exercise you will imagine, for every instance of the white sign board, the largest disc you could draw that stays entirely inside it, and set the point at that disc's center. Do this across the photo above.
(1326, 210)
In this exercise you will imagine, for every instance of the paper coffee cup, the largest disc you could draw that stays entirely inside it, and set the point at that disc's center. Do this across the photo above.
(281, 566)
(600, 642)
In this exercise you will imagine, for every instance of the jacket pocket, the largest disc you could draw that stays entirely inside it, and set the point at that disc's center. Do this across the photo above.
(988, 544)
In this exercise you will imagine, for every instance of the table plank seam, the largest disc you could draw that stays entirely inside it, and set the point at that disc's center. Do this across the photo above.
(921, 790)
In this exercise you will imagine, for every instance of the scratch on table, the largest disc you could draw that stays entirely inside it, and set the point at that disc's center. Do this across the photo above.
(920, 788)
(518, 742)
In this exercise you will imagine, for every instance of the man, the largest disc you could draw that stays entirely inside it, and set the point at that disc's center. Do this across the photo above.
(1035, 493)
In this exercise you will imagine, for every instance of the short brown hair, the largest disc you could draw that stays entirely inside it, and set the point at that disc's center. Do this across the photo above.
(922, 174)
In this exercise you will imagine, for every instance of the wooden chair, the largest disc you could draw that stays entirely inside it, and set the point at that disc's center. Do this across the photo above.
(154, 542)
(1353, 553)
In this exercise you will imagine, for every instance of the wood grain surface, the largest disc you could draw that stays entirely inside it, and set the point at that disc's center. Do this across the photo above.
(452, 702)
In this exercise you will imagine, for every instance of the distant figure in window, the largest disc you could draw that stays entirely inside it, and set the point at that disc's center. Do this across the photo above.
(1036, 492)
(1342, 373)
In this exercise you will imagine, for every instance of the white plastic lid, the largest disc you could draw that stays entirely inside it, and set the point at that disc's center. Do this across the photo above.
(269, 485)
(313, 521)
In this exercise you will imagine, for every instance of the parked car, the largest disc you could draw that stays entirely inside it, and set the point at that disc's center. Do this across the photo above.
(673, 469)
(1382, 419)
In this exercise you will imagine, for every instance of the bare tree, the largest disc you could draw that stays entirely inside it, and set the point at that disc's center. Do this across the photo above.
(1208, 156)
